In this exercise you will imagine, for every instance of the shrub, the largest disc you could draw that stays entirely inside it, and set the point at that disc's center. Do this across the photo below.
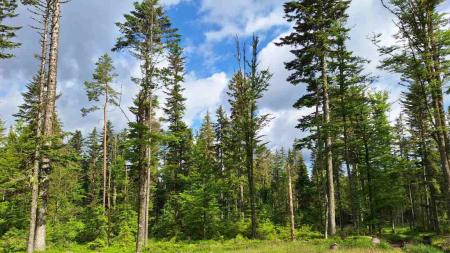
(97, 244)
(267, 231)
(66, 233)
(358, 242)
(421, 248)
(13, 240)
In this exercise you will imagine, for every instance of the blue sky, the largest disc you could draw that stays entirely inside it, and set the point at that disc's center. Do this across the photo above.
(208, 28)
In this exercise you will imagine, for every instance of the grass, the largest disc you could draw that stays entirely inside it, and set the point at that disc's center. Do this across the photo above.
(352, 245)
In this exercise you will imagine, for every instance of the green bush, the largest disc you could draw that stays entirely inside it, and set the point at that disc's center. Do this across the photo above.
(97, 244)
(358, 242)
(267, 231)
(420, 248)
(307, 233)
(96, 225)
(14, 240)
(66, 233)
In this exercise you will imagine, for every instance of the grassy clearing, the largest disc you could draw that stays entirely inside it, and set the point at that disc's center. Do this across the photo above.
(353, 245)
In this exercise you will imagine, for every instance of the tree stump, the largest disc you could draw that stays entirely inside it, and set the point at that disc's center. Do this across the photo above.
(334, 246)
(376, 240)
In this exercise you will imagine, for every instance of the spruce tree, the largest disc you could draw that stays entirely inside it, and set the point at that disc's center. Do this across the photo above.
(316, 26)
(178, 148)
(245, 89)
(146, 32)
(200, 207)
(420, 55)
(7, 32)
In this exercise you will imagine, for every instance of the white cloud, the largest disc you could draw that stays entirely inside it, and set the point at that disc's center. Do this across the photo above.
(169, 3)
(230, 26)
(10, 96)
(203, 95)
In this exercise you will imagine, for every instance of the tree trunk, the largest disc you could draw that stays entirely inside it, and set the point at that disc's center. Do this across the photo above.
(291, 204)
(369, 184)
(142, 209)
(48, 128)
(251, 189)
(147, 200)
(328, 152)
(143, 176)
(432, 56)
(105, 146)
(412, 206)
(37, 153)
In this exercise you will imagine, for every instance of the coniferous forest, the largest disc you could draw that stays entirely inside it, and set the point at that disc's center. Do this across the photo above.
(352, 179)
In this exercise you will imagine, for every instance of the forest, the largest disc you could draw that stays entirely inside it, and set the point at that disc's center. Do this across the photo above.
(162, 184)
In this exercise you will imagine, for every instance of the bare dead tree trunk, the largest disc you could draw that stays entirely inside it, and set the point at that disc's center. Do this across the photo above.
(105, 145)
(328, 152)
(291, 204)
(147, 200)
(48, 127)
(37, 153)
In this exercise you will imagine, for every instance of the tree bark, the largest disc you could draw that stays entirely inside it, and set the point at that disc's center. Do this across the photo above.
(369, 183)
(143, 175)
(48, 127)
(251, 188)
(328, 152)
(105, 146)
(291, 204)
(37, 153)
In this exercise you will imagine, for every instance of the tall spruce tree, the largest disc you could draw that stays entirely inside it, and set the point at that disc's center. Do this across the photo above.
(316, 26)
(178, 148)
(420, 55)
(145, 33)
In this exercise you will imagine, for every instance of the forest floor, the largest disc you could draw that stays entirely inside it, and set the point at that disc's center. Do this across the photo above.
(351, 245)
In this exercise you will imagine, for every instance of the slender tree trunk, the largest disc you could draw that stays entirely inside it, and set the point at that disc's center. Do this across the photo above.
(369, 183)
(328, 152)
(251, 188)
(327, 212)
(37, 153)
(413, 212)
(338, 192)
(428, 175)
(291, 204)
(351, 190)
(147, 200)
(48, 127)
(105, 146)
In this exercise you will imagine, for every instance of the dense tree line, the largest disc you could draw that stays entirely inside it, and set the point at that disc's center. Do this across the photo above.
(221, 180)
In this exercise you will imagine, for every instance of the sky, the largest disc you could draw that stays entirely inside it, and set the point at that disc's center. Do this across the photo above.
(208, 29)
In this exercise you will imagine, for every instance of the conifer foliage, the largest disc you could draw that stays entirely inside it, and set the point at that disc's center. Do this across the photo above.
(356, 170)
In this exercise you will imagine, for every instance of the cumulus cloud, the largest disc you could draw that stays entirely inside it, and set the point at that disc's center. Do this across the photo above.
(231, 26)
(203, 95)
(88, 31)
